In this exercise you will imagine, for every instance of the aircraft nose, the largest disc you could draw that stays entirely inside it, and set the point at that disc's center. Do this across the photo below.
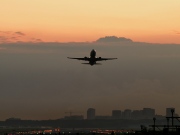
(93, 50)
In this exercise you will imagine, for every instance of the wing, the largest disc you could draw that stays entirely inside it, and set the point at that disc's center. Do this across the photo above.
(85, 58)
(100, 59)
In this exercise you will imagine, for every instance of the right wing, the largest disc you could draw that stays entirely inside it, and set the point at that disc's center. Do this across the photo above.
(100, 59)
(85, 58)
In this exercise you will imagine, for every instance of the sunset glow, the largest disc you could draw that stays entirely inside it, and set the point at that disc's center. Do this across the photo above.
(80, 21)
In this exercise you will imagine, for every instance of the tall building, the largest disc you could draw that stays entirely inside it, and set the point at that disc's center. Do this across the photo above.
(136, 114)
(116, 114)
(91, 113)
(148, 113)
(127, 114)
(101, 117)
(168, 111)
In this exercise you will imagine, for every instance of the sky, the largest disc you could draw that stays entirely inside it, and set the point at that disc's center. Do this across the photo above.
(155, 21)
(37, 81)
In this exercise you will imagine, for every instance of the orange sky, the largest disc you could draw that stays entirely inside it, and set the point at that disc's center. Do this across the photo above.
(68, 20)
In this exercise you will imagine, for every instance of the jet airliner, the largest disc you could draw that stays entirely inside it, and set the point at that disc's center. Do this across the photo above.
(92, 59)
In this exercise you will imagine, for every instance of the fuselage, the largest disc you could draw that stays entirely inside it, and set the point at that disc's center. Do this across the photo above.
(93, 54)
(92, 59)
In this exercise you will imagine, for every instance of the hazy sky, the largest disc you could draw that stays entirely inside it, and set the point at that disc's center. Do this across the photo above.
(86, 20)
(37, 81)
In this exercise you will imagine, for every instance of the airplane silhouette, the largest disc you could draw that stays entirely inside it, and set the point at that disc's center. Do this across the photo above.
(92, 59)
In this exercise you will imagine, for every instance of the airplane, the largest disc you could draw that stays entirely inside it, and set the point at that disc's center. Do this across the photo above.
(92, 59)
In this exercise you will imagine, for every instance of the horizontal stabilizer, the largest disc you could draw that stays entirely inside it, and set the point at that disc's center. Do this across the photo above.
(92, 64)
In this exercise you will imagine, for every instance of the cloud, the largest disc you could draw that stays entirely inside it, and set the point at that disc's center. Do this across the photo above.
(10, 36)
(5, 32)
(12, 33)
(36, 40)
(113, 39)
(176, 32)
(16, 36)
(19, 33)
(3, 39)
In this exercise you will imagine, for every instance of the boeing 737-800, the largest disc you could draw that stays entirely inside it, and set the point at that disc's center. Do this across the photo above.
(92, 59)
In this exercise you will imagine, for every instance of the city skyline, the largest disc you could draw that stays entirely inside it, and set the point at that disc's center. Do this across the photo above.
(144, 113)
(128, 113)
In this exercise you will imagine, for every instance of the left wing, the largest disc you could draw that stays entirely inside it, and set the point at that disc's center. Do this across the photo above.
(100, 59)
(85, 58)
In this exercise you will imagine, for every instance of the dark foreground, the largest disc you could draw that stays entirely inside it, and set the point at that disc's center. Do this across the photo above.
(58, 131)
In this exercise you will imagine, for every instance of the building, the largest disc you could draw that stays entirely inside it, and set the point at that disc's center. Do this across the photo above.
(136, 114)
(168, 111)
(101, 117)
(148, 113)
(91, 113)
(116, 114)
(127, 114)
(159, 117)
